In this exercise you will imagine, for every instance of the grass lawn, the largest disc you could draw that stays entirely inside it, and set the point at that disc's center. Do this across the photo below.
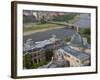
(76, 18)
(39, 27)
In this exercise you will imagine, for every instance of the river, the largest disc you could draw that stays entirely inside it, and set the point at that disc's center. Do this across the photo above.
(84, 21)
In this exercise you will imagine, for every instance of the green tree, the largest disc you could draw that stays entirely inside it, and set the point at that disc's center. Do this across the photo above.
(67, 39)
(65, 17)
(48, 54)
(87, 31)
(41, 63)
(27, 61)
(43, 20)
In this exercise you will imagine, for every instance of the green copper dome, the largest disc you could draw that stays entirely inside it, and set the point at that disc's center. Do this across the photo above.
(77, 39)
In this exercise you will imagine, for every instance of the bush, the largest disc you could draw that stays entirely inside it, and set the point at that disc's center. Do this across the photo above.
(43, 20)
(48, 54)
(67, 39)
(86, 32)
(27, 61)
(41, 63)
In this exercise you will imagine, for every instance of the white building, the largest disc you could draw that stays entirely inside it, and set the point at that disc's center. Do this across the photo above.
(31, 45)
(77, 52)
(75, 58)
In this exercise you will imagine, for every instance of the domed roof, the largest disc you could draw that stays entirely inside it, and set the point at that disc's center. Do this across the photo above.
(77, 39)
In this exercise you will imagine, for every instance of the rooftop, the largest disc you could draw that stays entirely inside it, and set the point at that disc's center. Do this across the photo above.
(29, 45)
(77, 54)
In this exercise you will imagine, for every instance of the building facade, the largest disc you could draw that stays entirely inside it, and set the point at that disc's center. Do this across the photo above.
(37, 49)
(74, 57)
(77, 52)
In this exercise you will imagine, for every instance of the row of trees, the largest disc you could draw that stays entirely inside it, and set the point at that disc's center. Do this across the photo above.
(65, 17)
(61, 18)
(86, 32)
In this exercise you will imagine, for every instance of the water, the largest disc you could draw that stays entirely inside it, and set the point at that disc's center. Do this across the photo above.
(84, 21)
(60, 33)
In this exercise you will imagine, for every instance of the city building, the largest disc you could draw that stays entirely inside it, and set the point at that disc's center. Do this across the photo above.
(37, 49)
(79, 43)
(75, 58)
(76, 52)
(28, 17)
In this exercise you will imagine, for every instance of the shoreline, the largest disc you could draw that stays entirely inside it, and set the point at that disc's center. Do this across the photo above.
(36, 31)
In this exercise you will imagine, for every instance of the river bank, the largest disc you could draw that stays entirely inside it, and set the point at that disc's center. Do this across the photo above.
(42, 30)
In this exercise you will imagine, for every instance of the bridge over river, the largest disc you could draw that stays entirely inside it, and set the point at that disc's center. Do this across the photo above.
(61, 33)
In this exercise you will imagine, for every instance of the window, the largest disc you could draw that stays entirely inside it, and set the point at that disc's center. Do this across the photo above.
(34, 55)
(35, 61)
(77, 61)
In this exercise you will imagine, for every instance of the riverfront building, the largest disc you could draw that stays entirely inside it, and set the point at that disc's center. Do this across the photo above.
(75, 58)
(37, 49)
(76, 52)
(72, 54)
